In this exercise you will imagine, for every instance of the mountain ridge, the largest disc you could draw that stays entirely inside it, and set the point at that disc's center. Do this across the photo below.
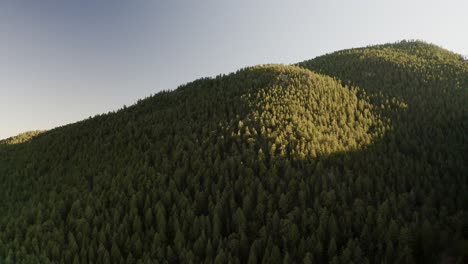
(315, 162)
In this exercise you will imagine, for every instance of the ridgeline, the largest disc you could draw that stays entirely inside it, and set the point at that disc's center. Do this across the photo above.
(359, 156)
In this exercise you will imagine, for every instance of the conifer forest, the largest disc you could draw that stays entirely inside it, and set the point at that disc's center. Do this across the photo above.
(357, 156)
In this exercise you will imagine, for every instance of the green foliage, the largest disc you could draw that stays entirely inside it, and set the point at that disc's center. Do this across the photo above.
(271, 164)
(23, 137)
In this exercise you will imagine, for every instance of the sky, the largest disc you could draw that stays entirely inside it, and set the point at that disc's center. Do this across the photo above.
(63, 61)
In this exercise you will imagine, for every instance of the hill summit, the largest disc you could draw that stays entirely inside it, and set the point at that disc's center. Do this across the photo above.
(358, 156)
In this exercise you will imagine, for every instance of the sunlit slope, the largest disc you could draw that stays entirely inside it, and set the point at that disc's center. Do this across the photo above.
(21, 138)
(430, 82)
(418, 73)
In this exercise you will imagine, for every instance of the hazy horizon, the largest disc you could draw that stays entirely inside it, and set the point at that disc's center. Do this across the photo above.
(64, 61)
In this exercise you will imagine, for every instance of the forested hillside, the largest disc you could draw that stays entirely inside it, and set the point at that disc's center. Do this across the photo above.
(358, 156)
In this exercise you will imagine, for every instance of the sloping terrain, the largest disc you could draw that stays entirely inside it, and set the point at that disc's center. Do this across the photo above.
(271, 164)
(426, 151)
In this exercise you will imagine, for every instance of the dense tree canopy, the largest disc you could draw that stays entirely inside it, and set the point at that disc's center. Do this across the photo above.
(271, 164)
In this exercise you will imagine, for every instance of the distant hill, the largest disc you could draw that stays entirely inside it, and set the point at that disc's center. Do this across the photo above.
(358, 156)
(21, 138)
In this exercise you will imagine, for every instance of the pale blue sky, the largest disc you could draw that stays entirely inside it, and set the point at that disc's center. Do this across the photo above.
(63, 61)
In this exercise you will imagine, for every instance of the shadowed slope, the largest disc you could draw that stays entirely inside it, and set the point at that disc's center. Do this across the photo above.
(207, 154)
